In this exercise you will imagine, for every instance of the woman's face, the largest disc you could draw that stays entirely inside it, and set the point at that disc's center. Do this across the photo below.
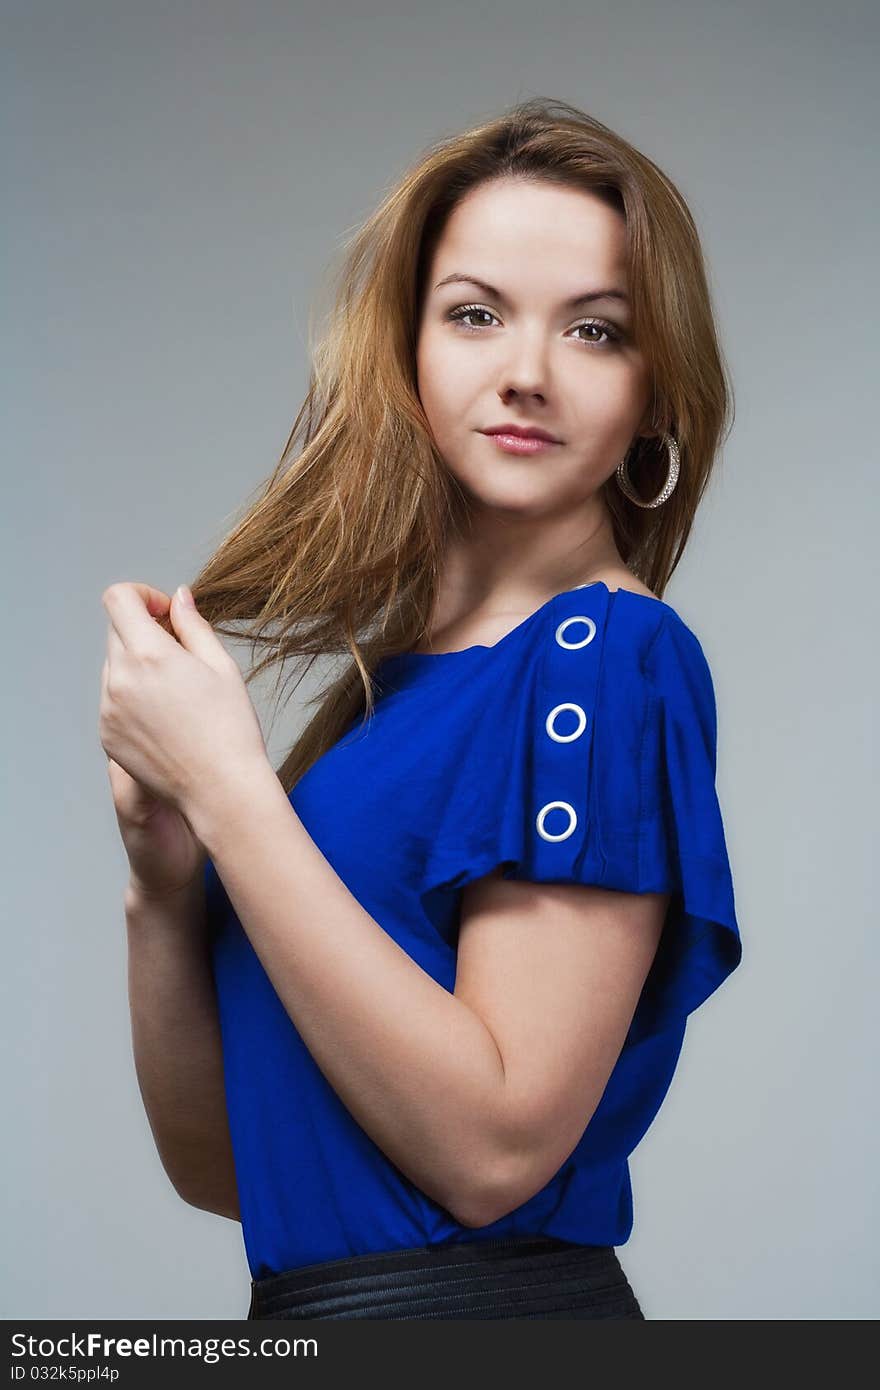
(526, 354)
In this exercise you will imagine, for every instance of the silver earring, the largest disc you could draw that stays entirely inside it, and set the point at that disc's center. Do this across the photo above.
(671, 476)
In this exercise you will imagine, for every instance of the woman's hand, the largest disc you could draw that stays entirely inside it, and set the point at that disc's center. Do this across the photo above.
(175, 715)
(164, 855)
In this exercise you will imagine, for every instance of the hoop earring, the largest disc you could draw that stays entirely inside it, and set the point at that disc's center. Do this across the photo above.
(671, 476)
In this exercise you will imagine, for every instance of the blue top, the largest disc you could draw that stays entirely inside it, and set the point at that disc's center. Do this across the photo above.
(580, 748)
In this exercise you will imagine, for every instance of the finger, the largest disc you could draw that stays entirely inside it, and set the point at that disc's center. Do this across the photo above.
(115, 646)
(156, 601)
(131, 608)
(103, 701)
(197, 636)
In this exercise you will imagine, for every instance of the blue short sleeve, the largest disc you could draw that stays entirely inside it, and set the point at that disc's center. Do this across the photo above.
(605, 775)
(681, 846)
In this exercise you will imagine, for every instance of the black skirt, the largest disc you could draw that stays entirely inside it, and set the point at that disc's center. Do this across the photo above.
(522, 1277)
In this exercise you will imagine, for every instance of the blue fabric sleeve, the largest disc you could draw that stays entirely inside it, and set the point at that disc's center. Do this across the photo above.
(606, 776)
(681, 846)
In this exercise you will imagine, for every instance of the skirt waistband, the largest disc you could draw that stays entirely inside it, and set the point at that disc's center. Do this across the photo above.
(524, 1276)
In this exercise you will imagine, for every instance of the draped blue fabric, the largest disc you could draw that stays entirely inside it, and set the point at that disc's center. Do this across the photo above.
(581, 748)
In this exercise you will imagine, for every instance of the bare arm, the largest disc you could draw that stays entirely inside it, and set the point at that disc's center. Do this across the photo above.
(416, 1066)
(178, 1056)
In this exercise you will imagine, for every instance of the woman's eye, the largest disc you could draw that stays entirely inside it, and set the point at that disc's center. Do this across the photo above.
(608, 329)
(465, 311)
(468, 311)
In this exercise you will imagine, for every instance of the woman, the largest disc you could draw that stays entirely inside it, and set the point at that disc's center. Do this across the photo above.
(406, 1005)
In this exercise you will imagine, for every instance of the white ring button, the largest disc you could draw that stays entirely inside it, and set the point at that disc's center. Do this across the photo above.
(551, 806)
(574, 646)
(566, 738)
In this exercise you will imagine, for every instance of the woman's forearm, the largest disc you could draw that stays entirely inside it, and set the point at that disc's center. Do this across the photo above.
(415, 1066)
(178, 1055)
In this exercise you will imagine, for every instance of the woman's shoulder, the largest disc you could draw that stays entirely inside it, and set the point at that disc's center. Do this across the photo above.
(617, 624)
(625, 579)
(648, 617)
(616, 606)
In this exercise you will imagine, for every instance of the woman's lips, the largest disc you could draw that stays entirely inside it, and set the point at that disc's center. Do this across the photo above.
(521, 444)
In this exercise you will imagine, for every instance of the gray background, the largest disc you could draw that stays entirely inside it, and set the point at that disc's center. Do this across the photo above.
(178, 178)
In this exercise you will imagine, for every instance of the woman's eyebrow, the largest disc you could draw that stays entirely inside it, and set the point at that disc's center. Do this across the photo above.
(588, 297)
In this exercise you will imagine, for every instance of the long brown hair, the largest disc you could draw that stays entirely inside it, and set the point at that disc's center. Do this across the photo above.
(341, 552)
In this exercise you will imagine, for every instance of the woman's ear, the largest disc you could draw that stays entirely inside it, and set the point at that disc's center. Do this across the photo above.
(648, 428)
